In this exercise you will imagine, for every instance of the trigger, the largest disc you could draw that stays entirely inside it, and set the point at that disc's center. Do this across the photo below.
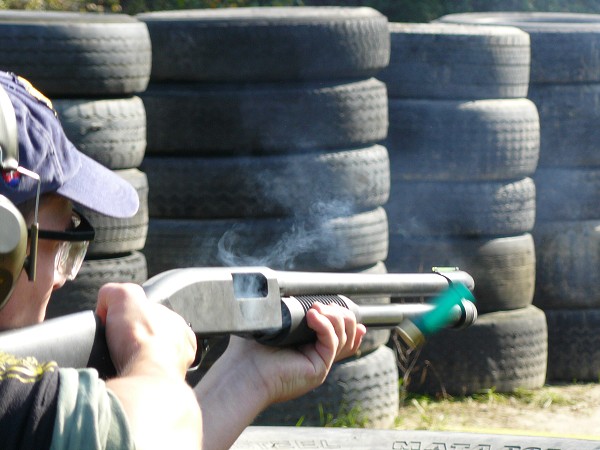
(203, 349)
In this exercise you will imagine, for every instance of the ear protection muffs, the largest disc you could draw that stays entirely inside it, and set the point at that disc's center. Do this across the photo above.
(13, 230)
(13, 247)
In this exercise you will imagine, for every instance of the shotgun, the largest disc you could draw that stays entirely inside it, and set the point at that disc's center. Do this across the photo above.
(262, 304)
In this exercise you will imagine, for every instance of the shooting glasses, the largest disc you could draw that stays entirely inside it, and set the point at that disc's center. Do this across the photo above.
(73, 245)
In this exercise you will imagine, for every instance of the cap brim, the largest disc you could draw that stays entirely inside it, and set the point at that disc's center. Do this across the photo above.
(100, 189)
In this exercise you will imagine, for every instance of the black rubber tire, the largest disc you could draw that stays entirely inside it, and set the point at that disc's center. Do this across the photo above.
(111, 131)
(568, 253)
(567, 194)
(267, 44)
(503, 351)
(493, 208)
(267, 186)
(554, 37)
(368, 385)
(455, 140)
(573, 344)
(503, 268)
(67, 54)
(315, 242)
(213, 119)
(450, 61)
(116, 236)
(257, 437)
(81, 293)
(569, 116)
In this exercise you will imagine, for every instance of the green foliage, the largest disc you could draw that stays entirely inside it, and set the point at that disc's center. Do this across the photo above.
(63, 5)
(136, 6)
(395, 10)
(427, 10)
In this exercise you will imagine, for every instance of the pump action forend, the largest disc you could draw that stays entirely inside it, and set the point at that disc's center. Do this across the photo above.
(260, 303)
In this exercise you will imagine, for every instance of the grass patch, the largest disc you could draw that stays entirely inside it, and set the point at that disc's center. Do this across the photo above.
(432, 413)
(352, 418)
(543, 397)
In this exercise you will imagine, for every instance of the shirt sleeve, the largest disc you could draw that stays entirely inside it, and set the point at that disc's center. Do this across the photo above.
(88, 415)
(28, 399)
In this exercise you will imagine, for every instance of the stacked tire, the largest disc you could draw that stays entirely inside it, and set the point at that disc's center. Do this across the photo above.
(565, 86)
(262, 149)
(464, 144)
(91, 67)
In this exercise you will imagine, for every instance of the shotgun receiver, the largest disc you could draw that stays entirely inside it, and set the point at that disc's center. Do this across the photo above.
(259, 303)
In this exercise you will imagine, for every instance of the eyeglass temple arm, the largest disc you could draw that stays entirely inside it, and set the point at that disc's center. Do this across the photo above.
(30, 263)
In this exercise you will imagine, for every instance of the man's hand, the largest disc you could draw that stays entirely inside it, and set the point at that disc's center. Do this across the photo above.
(287, 373)
(250, 376)
(151, 348)
(138, 331)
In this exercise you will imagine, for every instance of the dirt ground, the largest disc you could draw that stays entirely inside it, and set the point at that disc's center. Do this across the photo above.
(571, 410)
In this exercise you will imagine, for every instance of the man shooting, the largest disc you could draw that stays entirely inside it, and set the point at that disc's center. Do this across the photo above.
(148, 404)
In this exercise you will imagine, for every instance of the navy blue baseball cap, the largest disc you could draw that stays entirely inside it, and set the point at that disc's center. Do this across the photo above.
(45, 150)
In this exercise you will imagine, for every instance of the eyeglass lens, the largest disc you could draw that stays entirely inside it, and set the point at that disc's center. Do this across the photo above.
(69, 258)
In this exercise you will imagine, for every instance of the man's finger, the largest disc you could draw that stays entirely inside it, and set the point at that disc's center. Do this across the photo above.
(327, 339)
